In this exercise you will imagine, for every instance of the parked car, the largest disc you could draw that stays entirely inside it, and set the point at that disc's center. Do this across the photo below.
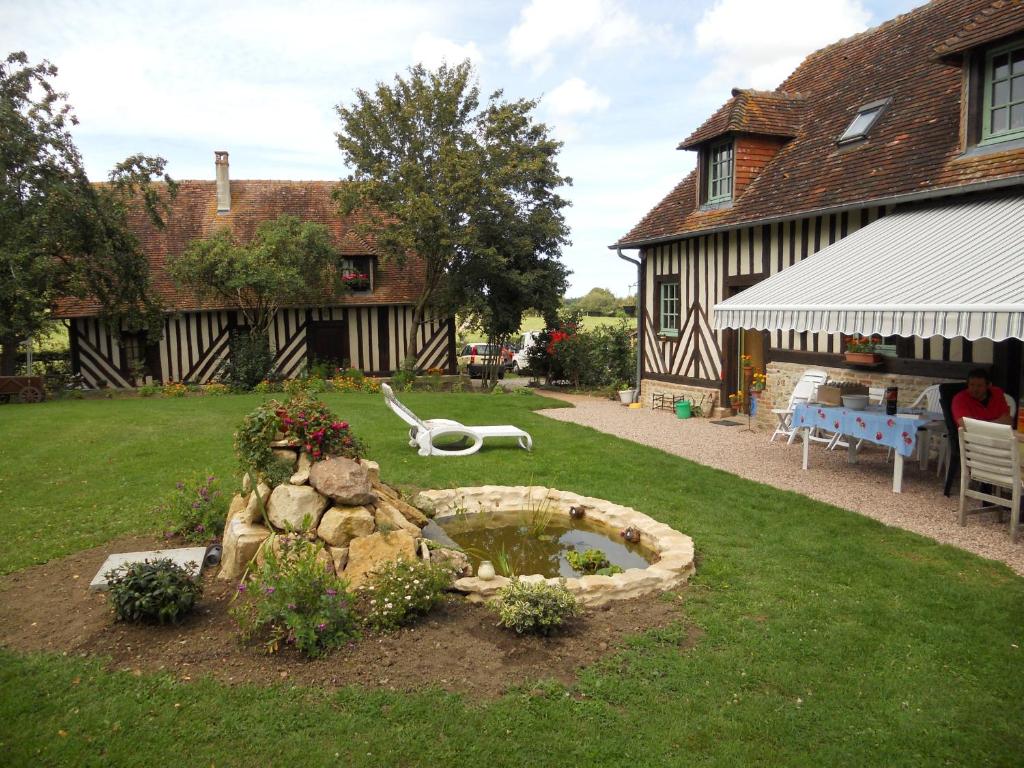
(521, 359)
(474, 357)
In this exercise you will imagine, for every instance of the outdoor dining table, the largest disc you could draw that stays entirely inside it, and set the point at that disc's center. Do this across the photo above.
(872, 424)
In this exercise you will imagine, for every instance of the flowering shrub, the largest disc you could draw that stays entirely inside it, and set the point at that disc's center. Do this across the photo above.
(309, 385)
(402, 590)
(174, 389)
(266, 386)
(596, 358)
(537, 609)
(153, 590)
(306, 422)
(197, 510)
(216, 388)
(294, 599)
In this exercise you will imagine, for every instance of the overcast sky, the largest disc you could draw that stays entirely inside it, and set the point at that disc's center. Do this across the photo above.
(621, 83)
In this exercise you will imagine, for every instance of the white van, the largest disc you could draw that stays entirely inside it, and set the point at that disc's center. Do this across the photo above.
(521, 359)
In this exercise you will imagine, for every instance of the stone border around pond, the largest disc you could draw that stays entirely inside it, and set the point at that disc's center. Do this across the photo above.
(674, 550)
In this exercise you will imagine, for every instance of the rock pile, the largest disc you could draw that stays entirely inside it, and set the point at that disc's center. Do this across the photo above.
(362, 522)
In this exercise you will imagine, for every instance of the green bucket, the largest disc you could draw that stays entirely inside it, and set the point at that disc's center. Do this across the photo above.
(683, 409)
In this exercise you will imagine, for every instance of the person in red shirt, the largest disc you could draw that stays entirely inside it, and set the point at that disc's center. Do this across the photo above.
(981, 400)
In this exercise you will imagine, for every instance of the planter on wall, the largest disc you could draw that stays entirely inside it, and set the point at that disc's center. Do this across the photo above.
(863, 358)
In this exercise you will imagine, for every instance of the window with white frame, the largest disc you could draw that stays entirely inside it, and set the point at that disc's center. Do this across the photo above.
(668, 309)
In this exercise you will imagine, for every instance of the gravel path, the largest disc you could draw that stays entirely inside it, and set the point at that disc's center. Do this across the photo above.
(865, 488)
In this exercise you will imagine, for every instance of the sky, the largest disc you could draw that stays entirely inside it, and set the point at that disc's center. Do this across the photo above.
(620, 83)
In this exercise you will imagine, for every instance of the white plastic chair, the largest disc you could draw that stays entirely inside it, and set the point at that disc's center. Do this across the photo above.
(804, 391)
(423, 433)
(990, 453)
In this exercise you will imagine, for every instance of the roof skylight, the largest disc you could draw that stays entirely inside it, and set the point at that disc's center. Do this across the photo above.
(862, 122)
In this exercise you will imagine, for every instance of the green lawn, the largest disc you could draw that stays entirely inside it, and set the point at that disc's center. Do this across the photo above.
(826, 639)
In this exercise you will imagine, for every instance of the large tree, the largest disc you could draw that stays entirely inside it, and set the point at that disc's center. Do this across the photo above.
(470, 189)
(60, 235)
(287, 261)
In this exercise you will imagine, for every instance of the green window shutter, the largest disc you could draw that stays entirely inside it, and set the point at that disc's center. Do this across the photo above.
(1003, 97)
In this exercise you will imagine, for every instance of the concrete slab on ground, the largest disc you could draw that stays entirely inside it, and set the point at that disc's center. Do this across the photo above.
(182, 556)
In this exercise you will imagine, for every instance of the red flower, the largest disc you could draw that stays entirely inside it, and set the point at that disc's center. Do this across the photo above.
(836, 424)
(891, 422)
(878, 435)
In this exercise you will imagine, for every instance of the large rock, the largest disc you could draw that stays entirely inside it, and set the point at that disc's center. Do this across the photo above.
(342, 524)
(295, 507)
(286, 456)
(368, 553)
(252, 513)
(408, 511)
(301, 476)
(345, 481)
(241, 542)
(454, 559)
(372, 469)
(237, 505)
(388, 518)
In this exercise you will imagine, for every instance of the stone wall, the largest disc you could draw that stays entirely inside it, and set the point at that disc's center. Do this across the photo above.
(649, 386)
(782, 377)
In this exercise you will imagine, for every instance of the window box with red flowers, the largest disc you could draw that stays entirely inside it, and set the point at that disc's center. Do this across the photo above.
(860, 350)
(356, 281)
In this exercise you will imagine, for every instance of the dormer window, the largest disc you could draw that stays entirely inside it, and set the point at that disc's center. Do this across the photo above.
(863, 121)
(720, 172)
(1003, 108)
(357, 274)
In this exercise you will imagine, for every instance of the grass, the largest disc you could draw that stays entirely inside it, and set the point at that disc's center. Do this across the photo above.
(825, 638)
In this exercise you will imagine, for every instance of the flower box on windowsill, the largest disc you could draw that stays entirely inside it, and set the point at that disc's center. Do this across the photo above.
(358, 286)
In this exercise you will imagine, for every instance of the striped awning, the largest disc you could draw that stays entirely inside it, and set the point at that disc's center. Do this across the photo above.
(946, 270)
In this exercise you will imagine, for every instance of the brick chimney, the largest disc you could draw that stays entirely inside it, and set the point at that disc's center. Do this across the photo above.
(223, 182)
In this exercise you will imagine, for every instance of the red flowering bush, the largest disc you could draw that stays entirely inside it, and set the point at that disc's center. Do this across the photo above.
(305, 422)
(310, 424)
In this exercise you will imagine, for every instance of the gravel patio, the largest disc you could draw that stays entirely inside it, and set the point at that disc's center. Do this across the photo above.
(865, 488)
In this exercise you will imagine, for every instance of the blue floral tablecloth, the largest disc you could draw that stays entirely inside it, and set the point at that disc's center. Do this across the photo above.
(873, 424)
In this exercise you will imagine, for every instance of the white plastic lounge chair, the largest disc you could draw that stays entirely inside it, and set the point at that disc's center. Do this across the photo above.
(422, 434)
(804, 391)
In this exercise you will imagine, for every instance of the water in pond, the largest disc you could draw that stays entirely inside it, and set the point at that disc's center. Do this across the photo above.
(529, 546)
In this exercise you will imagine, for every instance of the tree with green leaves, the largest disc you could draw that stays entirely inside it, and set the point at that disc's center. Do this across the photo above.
(60, 235)
(470, 189)
(287, 262)
(600, 301)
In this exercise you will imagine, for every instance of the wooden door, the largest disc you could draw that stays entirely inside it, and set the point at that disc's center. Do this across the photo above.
(327, 342)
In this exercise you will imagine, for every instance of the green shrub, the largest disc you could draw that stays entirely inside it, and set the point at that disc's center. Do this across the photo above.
(249, 361)
(404, 379)
(401, 591)
(307, 385)
(148, 390)
(152, 591)
(537, 609)
(591, 561)
(196, 510)
(294, 599)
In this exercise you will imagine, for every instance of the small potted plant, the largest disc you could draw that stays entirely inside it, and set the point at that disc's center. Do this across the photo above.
(860, 350)
(736, 401)
(626, 393)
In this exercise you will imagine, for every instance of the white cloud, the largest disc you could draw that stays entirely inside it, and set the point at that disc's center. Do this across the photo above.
(431, 51)
(544, 26)
(752, 43)
(575, 97)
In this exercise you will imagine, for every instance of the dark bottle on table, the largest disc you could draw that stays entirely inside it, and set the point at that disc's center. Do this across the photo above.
(891, 396)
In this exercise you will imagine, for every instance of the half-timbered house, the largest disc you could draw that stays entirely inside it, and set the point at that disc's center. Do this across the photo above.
(925, 110)
(365, 328)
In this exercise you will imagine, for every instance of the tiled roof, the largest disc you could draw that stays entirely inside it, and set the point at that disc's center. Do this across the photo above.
(1001, 18)
(767, 113)
(914, 147)
(194, 215)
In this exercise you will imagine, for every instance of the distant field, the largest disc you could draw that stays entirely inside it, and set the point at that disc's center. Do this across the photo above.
(537, 324)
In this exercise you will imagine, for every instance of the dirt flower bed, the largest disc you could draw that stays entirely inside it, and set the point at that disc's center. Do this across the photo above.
(458, 647)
